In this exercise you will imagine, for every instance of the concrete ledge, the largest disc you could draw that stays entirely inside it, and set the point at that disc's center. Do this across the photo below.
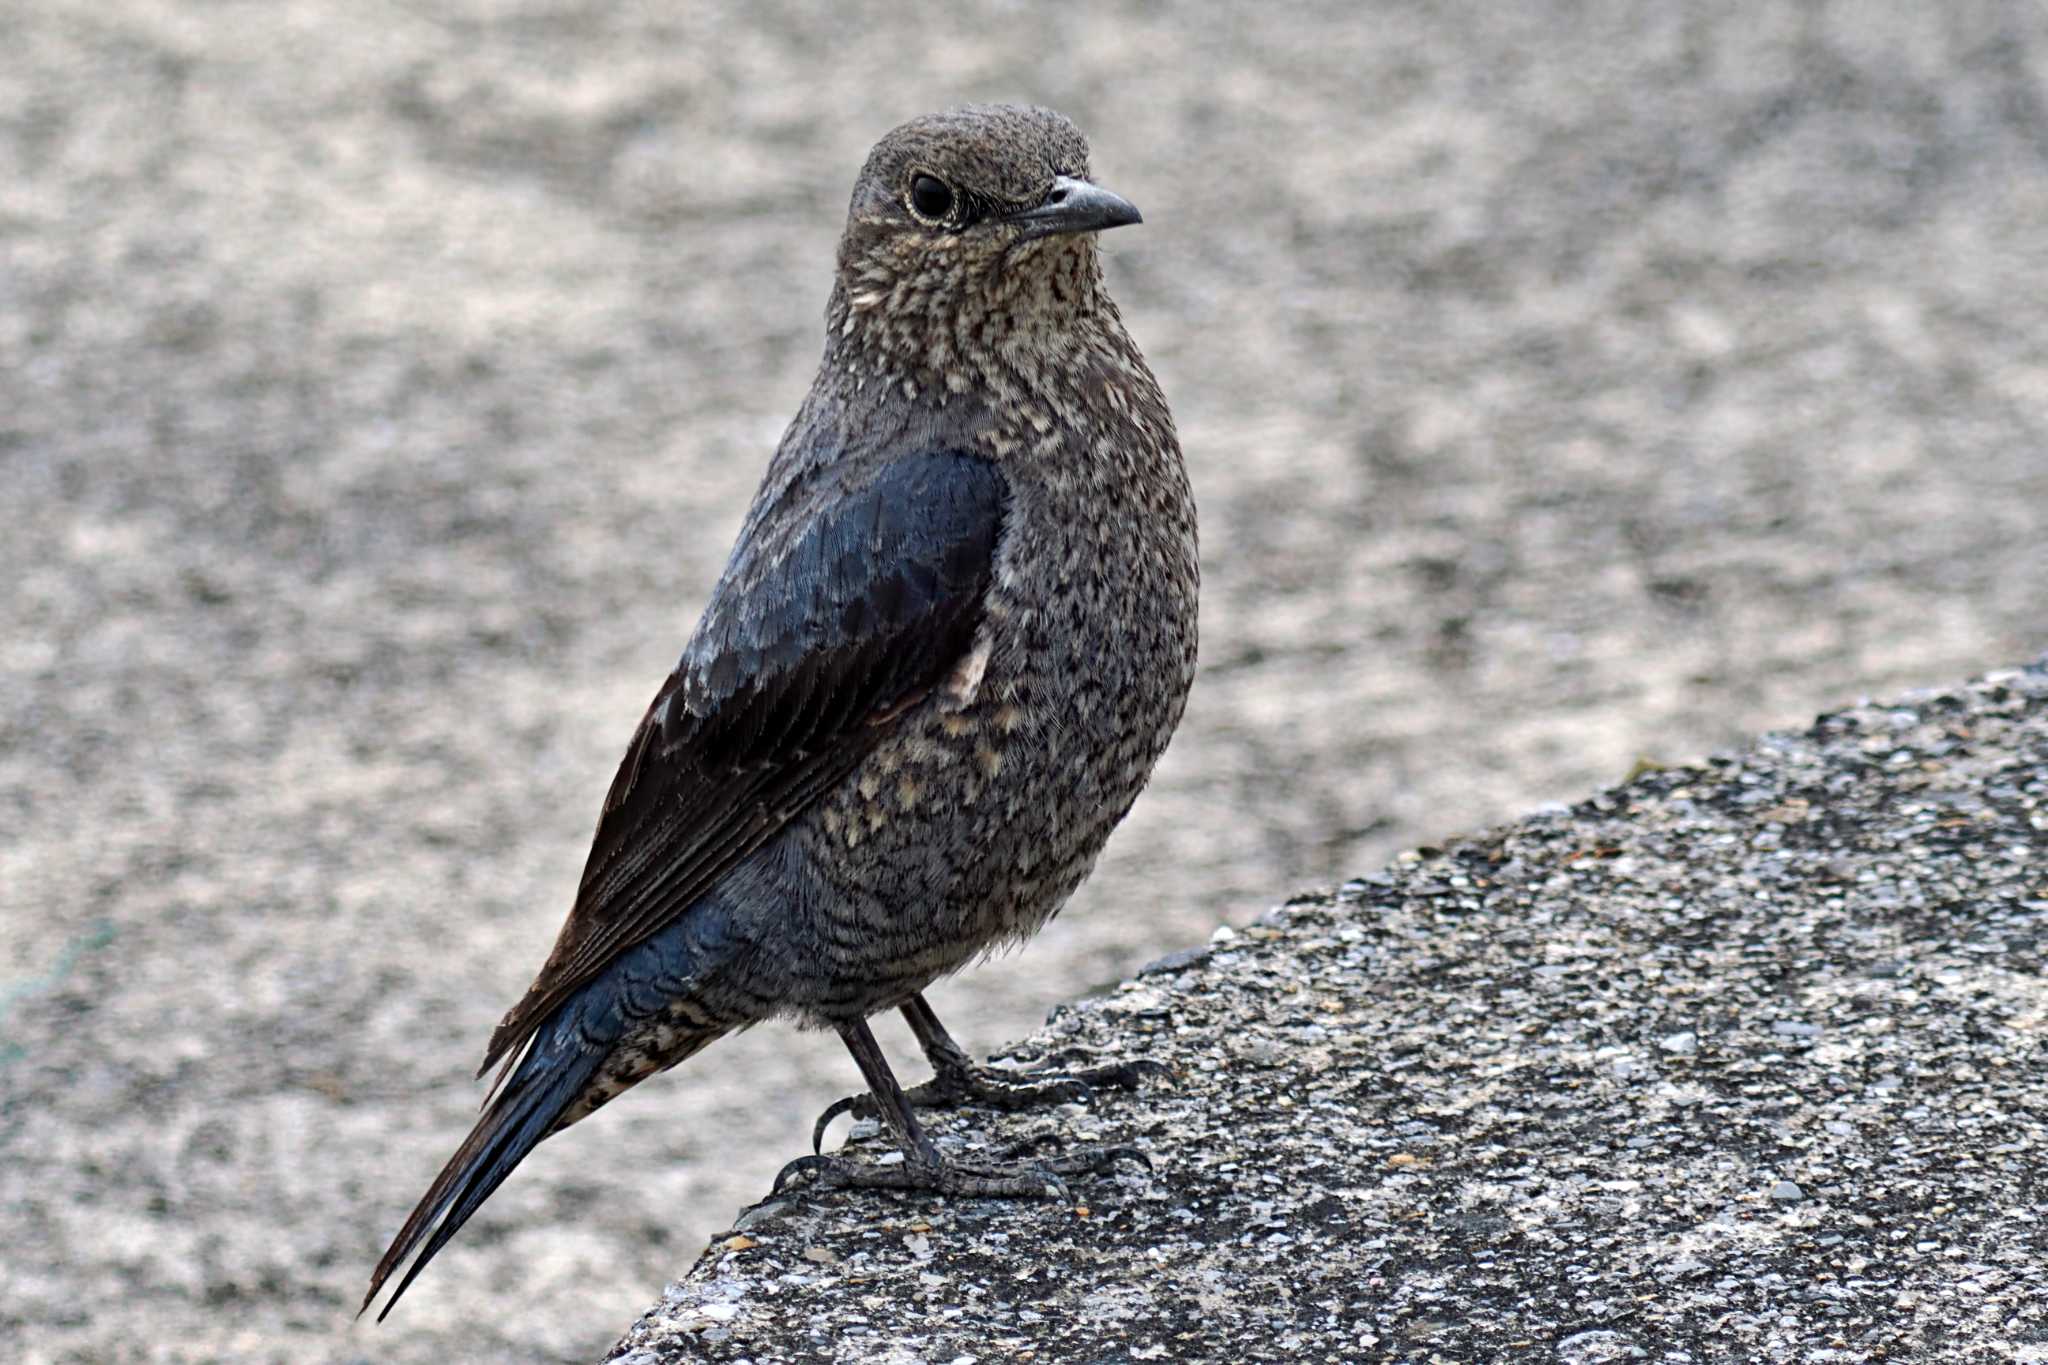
(1737, 1062)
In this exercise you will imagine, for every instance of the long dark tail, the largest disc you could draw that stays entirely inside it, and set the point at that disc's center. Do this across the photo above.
(569, 1070)
(548, 1080)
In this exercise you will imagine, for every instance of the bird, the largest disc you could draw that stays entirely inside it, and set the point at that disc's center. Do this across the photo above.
(955, 633)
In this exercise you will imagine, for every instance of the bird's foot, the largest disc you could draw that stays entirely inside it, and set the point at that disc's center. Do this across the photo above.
(954, 1087)
(974, 1180)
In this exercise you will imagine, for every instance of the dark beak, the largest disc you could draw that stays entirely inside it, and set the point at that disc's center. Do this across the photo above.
(1076, 206)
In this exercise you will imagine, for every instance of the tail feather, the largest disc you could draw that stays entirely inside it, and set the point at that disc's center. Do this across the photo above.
(546, 1083)
(639, 1018)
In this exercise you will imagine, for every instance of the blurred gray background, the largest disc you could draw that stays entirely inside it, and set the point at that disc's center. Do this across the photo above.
(381, 384)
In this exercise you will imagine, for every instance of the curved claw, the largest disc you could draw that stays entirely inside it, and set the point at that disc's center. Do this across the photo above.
(845, 1105)
(1074, 1090)
(1149, 1067)
(803, 1165)
(1137, 1154)
(1053, 1181)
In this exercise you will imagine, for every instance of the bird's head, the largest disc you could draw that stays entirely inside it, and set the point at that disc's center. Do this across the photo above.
(980, 212)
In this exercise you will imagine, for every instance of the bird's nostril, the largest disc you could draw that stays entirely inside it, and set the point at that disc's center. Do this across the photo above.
(1058, 196)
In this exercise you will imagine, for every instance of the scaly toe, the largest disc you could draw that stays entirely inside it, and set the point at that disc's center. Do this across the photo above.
(1086, 1160)
(1026, 1179)
(1127, 1075)
(998, 1088)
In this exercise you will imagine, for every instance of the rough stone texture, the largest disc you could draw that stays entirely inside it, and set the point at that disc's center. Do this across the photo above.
(1735, 1062)
(380, 386)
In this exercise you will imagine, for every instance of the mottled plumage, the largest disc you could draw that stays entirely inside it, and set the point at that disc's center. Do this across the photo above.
(953, 638)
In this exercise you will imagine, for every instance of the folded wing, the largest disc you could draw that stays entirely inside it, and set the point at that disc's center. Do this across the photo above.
(823, 629)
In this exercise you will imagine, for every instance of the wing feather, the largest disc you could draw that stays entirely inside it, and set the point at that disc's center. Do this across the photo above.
(810, 635)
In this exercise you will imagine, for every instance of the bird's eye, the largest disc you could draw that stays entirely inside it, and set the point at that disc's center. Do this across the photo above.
(930, 197)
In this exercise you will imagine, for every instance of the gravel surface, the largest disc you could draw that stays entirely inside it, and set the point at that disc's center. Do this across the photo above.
(1735, 1062)
(380, 387)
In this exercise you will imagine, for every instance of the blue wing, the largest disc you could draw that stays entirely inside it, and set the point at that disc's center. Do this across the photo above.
(824, 627)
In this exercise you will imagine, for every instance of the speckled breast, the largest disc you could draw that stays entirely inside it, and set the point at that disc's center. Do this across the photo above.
(982, 813)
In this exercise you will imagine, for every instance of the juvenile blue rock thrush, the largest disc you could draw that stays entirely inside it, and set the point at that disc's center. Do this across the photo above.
(955, 635)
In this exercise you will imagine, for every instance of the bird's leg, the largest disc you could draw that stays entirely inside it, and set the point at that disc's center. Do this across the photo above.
(922, 1168)
(958, 1080)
